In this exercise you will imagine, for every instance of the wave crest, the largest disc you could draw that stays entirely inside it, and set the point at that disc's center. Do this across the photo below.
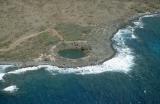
(11, 89)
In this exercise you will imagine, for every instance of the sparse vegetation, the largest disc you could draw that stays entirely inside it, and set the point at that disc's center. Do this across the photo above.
(72, 32)
(93, 21)
(32, 48)
(46, 39)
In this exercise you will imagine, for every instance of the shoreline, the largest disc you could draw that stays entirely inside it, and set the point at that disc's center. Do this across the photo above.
(98, 62)
(130, 20)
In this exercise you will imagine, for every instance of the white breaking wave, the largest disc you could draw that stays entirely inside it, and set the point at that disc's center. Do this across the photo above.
(23, 70)
(150, 15)
(2, 70)
(139, 23)
(11, 89)
(1, 76)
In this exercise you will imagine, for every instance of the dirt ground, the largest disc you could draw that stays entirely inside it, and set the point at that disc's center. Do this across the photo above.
(22, 20)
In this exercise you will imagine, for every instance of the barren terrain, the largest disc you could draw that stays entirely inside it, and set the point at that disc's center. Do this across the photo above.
(31, 29)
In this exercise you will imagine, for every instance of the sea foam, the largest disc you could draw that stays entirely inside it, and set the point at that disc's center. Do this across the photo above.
(2, 70)
(11, 89)
(139, 23)
(23, 70)
(1, 76)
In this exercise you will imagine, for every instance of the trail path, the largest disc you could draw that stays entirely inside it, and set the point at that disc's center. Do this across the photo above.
(54, 32)
(14, 44)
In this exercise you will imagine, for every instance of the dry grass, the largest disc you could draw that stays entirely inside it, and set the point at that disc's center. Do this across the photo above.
(21, 17)
(32, 48)
(73, 32)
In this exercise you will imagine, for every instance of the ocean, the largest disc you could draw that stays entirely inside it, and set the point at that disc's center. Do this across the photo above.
(132, 76)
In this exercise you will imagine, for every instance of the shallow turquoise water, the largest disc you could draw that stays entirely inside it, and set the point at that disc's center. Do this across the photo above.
(141, 85)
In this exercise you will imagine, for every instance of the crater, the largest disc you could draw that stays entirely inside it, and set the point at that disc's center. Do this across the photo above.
(72, 53)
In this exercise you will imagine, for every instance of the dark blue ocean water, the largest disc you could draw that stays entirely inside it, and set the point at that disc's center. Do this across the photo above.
(141, 85)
